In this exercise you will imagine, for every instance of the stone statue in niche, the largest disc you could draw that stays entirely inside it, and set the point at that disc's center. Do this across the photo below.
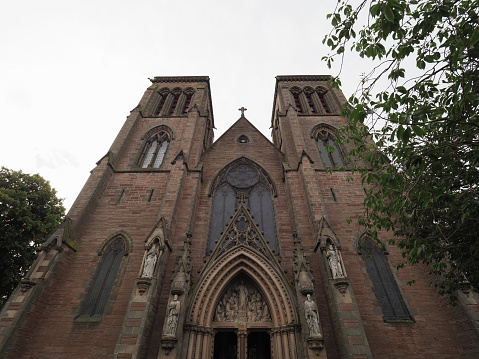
(242, 302)
(334, 262)
(172, 319)
(312, 316)
(150, 261)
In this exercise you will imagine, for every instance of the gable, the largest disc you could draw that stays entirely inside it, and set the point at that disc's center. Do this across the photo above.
(232, 145)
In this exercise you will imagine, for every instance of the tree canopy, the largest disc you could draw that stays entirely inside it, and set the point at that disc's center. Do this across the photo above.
(415, 128)
(29, 211)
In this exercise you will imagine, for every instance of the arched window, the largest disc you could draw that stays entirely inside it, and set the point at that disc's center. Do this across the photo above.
(188, 93)
(162, 95)
(384, 284)
(321, 95)
(100, 290)
(331, 152)
(308, 93)
(176, 97)
(296, 93)
(154, 151)
(243, 178)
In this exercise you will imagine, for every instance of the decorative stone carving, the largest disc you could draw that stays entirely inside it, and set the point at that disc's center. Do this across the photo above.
(324, 235)
(26, 285)
(142, 285)
(301, 268)
(168, 344)
(172, 318)
(150, 261)
(242, 231)
(312, 316)
(155, 244)
(182, 271)
(315, 345)
(334, 261)
(242, 302)
(342, 286)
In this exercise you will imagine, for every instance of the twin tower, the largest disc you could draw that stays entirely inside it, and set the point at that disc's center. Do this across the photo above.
(182, 247)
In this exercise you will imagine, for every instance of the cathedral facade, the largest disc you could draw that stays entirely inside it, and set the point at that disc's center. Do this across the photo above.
(179, 246)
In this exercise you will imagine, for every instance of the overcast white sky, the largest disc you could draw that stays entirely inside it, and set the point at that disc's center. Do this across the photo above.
(71, 71)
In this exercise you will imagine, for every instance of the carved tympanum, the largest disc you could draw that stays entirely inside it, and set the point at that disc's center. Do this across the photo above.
(242, 302)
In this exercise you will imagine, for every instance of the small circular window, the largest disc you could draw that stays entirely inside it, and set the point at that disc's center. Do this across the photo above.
(243, 139)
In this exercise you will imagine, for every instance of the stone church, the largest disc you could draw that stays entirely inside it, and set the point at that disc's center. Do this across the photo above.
(179, 246)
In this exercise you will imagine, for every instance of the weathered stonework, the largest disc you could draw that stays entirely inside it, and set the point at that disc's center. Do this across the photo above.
(307, 295)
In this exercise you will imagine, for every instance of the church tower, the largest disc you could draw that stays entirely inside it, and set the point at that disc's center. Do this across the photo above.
(181, 247)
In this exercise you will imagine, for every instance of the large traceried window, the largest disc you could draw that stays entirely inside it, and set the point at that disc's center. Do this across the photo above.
(238, 180)
(154, 151)
(384, 285)
(326, 140)
(104, 279)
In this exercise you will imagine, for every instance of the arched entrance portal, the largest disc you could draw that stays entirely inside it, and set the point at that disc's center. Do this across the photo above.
(242, 295)
(242, 321)
(226, 345)
(259, 345)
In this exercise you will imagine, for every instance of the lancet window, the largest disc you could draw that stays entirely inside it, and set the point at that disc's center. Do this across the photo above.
(161, 99)
(309, 101)
(296, 92)
(104, 279)
(154, 151)
(243, 182)
(384, 285)
(175, 102)
(331, 152)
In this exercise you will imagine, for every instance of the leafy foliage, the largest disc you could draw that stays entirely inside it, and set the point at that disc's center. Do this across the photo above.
(29, 211)
(420, 106)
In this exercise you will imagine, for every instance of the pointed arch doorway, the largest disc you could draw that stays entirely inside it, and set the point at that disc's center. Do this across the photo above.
(228, 346)
(242, 322)
(222, 302)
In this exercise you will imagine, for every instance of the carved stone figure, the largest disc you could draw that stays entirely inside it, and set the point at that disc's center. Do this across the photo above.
(220, 312)
(312, 316)
(265, 312)
(243, 296)
(242, 303)
(150, 261)
(172, 319)
(334, 262)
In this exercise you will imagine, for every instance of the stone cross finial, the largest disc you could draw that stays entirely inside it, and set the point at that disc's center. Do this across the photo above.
(242, 109)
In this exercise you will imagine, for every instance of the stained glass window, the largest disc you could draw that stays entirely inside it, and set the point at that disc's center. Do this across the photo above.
(252, 182)
(384, 285)
(100, 290)
(154, 151)
(326, 139)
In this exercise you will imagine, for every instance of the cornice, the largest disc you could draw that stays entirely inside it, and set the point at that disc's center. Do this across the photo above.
(303, 78)
(157, 79)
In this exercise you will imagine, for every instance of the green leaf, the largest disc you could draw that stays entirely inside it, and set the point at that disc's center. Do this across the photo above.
(387, 12)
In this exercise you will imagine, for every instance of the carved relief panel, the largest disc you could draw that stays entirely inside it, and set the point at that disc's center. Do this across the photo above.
(242, 302)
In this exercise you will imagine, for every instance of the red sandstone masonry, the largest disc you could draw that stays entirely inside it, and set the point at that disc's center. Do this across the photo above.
(181, 196)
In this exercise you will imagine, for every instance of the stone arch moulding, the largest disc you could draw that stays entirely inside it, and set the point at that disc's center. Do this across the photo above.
(240, 161)
(383, 244)
(316, 128)
(159, 128)
(126, 239)
(270, 282)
